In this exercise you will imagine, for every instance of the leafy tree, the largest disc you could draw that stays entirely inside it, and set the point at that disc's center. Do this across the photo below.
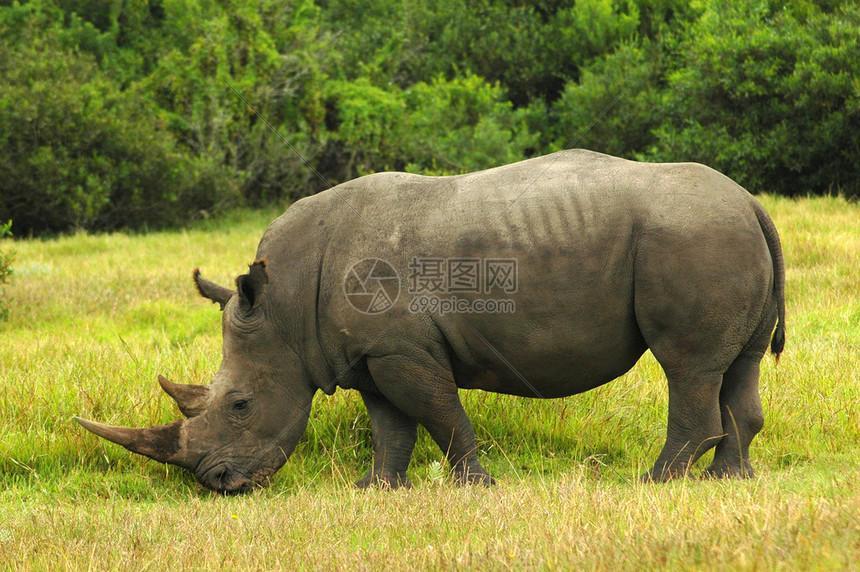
(769, 96)
(235, 94)
(143, 113)
(529, 48)
(366, 125)
(616, 104)
(443, 126)
(75, 152)
(462, 125)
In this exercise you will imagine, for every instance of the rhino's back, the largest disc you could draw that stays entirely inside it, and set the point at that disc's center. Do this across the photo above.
(517, 204)
(555, 199)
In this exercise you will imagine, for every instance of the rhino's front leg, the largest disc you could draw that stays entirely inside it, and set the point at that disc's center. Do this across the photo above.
(424, 390)
(394, 436)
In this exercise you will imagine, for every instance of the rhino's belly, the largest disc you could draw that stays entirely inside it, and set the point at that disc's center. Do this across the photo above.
(556, 373)
(560, 379)
(548, 347)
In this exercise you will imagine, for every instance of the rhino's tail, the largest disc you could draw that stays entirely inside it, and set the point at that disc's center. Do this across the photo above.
(777, 343)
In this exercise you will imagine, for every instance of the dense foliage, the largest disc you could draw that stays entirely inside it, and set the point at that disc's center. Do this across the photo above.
(150, 113)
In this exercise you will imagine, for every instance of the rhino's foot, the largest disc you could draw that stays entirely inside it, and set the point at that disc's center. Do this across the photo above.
(664, 476)
(647, 478)
(729, 471)
(384, 481)
(474, 477)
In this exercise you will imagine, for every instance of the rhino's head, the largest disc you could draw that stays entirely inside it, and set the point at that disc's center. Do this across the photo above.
(242, 427)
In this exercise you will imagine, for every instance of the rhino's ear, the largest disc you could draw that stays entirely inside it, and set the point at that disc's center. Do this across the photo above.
(211, 290)
(252, 285)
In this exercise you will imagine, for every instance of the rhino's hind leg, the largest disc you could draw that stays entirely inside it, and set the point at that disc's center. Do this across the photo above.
(425, 391)
(742, 418)
(394, 436)
(694, 424)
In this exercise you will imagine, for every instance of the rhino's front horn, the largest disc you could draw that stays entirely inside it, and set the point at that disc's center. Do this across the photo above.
(160, 443)
(191, 399)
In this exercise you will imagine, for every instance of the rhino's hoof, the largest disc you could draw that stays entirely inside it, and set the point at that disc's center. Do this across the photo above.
(386, 482)
(725, 471)
(482, 478)
(661, 477)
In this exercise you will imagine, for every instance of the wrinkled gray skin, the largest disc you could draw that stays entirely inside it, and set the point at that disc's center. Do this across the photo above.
(614, 257)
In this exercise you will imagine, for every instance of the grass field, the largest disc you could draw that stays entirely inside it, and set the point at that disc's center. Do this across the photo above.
(94, 319)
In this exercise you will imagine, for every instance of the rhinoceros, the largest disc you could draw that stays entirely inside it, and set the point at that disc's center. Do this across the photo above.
(544, 278)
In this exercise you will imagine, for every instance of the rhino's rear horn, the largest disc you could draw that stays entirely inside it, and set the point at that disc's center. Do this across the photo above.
(191, 399)
(160, 443)
(211, 290)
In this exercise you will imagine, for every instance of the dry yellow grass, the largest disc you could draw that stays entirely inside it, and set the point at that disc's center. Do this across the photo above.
(570, 521)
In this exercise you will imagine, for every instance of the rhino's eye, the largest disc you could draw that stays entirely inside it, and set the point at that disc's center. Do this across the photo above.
(240, 405)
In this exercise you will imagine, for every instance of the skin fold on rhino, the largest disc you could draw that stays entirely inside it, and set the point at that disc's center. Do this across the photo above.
(610, 257)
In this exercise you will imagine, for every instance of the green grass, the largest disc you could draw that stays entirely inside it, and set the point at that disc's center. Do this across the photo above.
(94, 320)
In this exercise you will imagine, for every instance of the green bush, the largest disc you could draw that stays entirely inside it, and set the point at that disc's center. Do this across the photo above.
(769, 96)
(234, 59)
(462, 125)
(530, 49)
(75, 152)
(366, 127)
(615, 106)
(443, 126)
(142, 114)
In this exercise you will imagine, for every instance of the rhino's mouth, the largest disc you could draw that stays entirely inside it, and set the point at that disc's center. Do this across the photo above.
(225, 477)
